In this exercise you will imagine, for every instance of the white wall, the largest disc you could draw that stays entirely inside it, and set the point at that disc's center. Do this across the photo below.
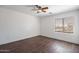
(48, 27)
(15, 26)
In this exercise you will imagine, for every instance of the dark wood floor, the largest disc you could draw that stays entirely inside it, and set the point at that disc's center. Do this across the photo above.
(40, 44)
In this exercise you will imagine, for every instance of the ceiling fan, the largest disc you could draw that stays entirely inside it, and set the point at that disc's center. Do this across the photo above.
(40, 9)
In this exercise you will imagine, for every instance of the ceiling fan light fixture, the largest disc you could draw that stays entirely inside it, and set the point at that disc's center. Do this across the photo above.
(39, 11)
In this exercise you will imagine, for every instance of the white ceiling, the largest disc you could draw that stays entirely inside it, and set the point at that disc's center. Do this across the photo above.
(53, 9)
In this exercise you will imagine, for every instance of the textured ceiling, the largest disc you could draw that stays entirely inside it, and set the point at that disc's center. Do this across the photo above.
(53, 9)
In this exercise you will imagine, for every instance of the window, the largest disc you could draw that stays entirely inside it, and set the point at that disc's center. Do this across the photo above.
(64, 24)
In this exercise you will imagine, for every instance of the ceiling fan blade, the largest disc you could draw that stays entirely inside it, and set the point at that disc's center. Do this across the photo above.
(38, 6)
(45, 8)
